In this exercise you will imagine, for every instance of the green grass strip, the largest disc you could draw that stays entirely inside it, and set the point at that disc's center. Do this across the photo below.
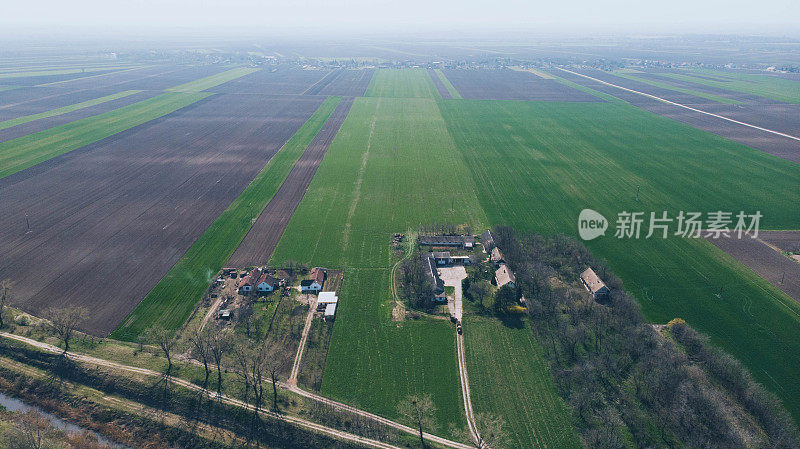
(402, 83)
(447, 84)
(780, 89)
(56, 72)
(213, 80)
(171, 301)
(65, 109)
(711, 97)
(23, 152)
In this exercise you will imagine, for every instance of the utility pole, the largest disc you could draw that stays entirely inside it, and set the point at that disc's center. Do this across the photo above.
(637, 194)
(27, 224)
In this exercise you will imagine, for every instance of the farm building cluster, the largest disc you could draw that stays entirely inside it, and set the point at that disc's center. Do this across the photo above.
(261, 282)
(449, 250)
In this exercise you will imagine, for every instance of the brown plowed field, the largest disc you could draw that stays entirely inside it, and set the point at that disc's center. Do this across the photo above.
(507, 84)
(108, 221)
(151, 78)
(49, 122)
(42, 79)
(784, 240)
(281, 80)
(769, 143)
(343, 82)
(33, 100)
(260, 242)
(771, 265)
(443, 92)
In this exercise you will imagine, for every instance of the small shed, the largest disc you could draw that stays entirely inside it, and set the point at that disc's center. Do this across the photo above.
(330, 312)
(497, 256)
(487, 239)
(594, 285)
(224, 314)
(325, 299)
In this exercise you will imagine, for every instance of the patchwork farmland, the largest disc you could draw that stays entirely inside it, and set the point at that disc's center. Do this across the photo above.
(136, 190)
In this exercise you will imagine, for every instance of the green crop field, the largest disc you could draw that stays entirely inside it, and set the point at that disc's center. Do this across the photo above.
(447, 84)
(780, 89)
(537, 165)
(208, 82)
(391, 167)
(717, 98)
(173, 298)
(65, 109)
(402, 83)
(23, 152)
(510, 378)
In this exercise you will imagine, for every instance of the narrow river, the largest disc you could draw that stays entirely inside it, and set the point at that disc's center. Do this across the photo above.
(15, 405)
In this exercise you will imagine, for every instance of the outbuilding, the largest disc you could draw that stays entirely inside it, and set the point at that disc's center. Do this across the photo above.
(595, 285)
(504, 276)
(487, 239)
(325, 299)
(330, 312)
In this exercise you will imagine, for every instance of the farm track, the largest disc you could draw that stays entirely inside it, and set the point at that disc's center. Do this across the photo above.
(260, 242)
(110, 219)
(235, 402)
(775, 142)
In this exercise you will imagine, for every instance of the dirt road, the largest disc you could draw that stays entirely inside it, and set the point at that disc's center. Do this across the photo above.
(686, 107)
(235, 402)
(453, 277)
(312, 306)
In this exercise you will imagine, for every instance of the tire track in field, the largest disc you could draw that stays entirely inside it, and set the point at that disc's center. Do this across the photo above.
(359, 181)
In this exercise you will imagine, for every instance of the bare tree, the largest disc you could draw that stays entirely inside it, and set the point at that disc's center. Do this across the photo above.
(33, 427)
(491, 431)
(419, 410)
(165, 340)
(64, 322)
(217, 348)
(5, 294)
(201, 350)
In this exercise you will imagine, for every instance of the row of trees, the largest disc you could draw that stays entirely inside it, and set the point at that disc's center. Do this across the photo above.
(624, 381)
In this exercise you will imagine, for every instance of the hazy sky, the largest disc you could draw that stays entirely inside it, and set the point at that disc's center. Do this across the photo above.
(781, 17)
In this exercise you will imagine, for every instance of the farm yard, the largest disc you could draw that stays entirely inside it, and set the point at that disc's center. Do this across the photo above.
(132, 190)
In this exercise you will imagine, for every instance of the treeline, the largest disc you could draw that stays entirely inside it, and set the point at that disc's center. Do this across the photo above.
(195, 409)
(627, 382)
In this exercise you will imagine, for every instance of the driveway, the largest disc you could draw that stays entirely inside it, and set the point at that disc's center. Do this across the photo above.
(452, 277)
